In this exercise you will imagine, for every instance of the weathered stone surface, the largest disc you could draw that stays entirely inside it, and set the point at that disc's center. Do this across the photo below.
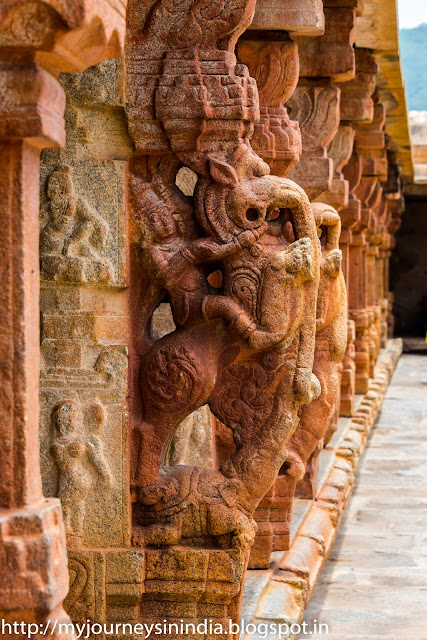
(340, 150)
(305, 18)
(84, 338)
(34, 577)
(193, 441)
(273, 514)
(332, 54)
(315, 105)
(356, 95)
(238, 346)
(275, 67)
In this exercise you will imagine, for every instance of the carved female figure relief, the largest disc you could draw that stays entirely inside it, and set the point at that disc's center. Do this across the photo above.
(78, 454)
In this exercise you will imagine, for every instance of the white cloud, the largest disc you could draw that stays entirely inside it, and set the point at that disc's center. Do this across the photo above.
(412, 13)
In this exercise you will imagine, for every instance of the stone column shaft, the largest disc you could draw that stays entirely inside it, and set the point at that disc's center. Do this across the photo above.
(33, 572)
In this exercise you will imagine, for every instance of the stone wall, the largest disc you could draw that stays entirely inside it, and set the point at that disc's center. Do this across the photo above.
(214, 240)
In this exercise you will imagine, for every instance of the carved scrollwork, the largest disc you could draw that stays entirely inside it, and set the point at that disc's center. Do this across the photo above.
(170, 378)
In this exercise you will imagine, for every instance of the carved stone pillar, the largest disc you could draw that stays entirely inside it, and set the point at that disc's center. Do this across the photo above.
(275, 66)
(315, 104)
(396, 207)
(33, 571)
(340, 151)
(274, 513)
(370, 145)
(225, 279)
(357, 107)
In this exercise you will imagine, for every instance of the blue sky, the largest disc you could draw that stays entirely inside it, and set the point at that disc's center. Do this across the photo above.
(412, 13)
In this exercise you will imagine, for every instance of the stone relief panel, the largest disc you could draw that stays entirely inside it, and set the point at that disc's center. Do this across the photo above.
(82, 235)
(74, 238)
(78, 452)
(82, 196)
(84, 313)
(80, 464)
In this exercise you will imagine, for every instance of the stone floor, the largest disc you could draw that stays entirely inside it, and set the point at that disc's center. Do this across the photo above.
(374, 583)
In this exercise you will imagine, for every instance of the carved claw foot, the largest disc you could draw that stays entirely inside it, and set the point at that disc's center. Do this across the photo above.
(296, 468)
(306, 386)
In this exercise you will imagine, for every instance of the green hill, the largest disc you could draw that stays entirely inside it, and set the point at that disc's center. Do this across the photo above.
(413, 48)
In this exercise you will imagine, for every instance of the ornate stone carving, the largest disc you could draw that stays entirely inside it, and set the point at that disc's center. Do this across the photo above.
(238, 264)
(78, 453)
(257, 269)
(315, 105)
(84, 342)
(274, 512)
(74, 236)
(275, 67)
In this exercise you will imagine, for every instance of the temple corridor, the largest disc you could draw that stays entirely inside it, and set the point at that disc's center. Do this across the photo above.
(373, 584)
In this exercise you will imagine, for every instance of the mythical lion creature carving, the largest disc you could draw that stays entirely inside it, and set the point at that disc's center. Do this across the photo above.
(238, 262)
(331, 342)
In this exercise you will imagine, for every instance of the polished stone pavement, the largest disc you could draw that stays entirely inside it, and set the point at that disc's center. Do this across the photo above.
(374, 583)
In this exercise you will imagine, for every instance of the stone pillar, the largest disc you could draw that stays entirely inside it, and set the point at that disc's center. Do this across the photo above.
(192, 107)
(274, 64)
(84, 345)
(396, 207)
(370, 145)
(315, 106)
(357, 107)
(324, 62)
(33, 568)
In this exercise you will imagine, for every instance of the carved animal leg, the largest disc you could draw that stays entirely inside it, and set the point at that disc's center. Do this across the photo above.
(177, 377)
(224, 522)
(164, 533)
